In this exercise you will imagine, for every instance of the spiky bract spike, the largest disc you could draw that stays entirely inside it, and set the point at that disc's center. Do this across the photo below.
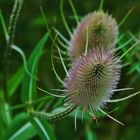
(102, 31)
(92, 79)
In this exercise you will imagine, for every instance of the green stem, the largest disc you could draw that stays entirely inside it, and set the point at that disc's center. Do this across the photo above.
(55, 115)
(9, 42)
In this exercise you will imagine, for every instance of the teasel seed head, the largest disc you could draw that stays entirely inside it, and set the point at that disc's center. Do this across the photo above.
(92, 79)
(98, 29)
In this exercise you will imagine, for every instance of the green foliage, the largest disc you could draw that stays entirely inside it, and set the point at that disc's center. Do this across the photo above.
(43, 129)
(23, 78)
(15, 81)
(29, 81)
(20, 128)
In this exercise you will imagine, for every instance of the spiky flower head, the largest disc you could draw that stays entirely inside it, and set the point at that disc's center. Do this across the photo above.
(98, 29)
(92, 79)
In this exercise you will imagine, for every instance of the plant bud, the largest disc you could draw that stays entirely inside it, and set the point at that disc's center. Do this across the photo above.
(97, 29)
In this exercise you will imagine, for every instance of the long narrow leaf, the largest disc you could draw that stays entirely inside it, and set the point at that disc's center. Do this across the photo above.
(19, 129)
(15, 81)
(4, 26)
(43, 129)
(29, 83)
(25, 132)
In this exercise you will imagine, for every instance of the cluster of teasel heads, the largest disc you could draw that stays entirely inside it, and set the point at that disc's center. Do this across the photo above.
(95, 71)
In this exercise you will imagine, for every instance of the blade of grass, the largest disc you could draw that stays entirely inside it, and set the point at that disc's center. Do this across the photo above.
(74, 11)
(126, 16)
(134, 45)
(123, 45)
(15, 81)
(64, 66)
(43, 129)
(53, 67)
(17, 49)
(19, 129)
(44, 18)
(63, 18)
(23, 133)
(29, 83)
(62, 37)
(5, 114)
(4, 27)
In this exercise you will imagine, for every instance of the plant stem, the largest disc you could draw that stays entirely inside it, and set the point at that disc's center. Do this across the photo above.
(10, 40)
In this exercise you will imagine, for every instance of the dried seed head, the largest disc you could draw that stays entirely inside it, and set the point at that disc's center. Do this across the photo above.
(92, 79)
(98, 29)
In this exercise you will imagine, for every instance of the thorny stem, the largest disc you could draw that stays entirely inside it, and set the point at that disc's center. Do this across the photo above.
(9, 42)
(55, 116)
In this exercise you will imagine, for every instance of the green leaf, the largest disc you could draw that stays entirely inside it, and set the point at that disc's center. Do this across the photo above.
(15, 81)
(5, 117)
(25, 132)
(126, 16)
(4, 26)
(19, 129)
(43, 128)
(63, 18)
(4, 114)
(29, 83)
(21, 53)
(74, 11)
(90, 135)
(1, 94)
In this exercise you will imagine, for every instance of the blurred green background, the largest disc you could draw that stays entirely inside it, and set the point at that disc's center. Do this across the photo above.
(31, 27)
